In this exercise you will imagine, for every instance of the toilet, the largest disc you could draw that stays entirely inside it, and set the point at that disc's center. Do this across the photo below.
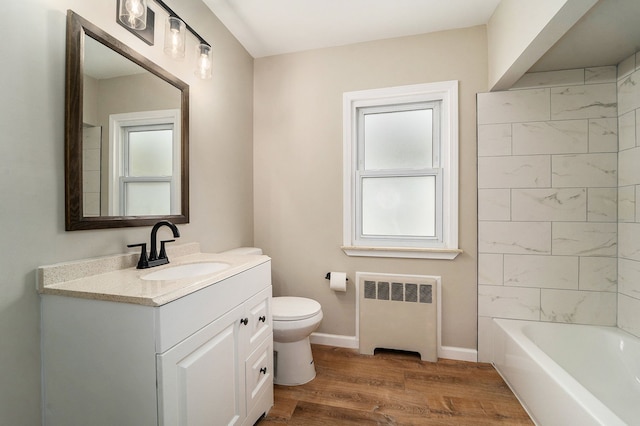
(294, 319)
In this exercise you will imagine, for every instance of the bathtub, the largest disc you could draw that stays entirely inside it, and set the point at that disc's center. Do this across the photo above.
(569, 374)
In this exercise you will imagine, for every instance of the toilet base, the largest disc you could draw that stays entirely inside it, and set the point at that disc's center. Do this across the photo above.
(293, 363)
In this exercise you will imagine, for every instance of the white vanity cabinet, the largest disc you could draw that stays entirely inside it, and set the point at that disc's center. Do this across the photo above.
(203, 359)
(222, 371)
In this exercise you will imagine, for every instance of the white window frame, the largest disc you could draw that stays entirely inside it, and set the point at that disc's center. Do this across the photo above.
(117, 161)
(446, 245)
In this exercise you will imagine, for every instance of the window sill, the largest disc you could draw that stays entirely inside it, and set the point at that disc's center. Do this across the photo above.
(402, 252)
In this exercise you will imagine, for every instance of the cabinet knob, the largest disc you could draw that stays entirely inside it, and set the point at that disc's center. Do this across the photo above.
(262, 318)
(263, 370)
(244, 321)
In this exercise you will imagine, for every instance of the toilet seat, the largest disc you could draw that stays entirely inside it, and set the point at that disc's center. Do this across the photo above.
(293, 308)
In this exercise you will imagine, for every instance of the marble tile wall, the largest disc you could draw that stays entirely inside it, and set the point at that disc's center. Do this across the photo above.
(91, 152)
(628, 84)
(548, 200)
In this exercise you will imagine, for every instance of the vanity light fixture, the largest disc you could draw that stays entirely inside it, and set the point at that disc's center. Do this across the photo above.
(175, 48)
(134, 15)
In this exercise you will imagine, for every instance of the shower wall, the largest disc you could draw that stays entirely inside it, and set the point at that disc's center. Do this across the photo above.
(629, 195)
(547, 200)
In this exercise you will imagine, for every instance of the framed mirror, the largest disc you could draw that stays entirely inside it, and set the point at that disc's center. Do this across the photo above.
(126, 135)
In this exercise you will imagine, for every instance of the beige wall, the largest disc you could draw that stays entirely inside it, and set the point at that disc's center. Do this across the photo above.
(32, 167)
(90, 101)
(298, 167)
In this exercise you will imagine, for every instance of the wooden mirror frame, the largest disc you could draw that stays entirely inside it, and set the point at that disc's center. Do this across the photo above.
(77, 28)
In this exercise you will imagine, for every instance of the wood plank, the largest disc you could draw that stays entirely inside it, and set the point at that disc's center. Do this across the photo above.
(395, 388)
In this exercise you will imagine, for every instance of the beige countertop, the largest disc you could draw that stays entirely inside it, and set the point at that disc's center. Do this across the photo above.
(115, 278)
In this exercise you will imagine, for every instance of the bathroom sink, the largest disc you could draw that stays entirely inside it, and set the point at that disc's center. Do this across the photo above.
(189, 270)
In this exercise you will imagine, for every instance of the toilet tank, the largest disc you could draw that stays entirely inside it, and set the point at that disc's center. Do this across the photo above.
(243, 251)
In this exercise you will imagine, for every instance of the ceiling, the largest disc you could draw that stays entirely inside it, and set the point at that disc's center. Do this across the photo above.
(272, 27)
(607, 34)
(101, 62)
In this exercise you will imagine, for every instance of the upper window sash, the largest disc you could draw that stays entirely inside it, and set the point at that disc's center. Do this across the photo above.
(126, 133)
(362, 112)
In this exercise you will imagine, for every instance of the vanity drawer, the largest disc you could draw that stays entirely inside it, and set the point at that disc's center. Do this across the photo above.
(209, 303)
(260, 322)
(259, 372)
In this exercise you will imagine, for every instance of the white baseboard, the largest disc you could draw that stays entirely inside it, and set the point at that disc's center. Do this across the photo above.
(336, 340)
(458, 354)
(340, 341)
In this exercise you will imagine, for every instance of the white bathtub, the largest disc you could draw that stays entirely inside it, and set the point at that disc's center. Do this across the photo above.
(569, 374)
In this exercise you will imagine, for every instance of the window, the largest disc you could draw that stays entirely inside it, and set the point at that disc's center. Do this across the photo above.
(400, 171)
(145, 163)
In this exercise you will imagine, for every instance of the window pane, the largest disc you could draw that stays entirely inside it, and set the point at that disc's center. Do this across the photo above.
(151, 153)
(398, 140)
(147, 198)
(399, 206)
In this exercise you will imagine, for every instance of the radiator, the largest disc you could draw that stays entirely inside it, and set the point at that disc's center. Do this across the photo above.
(398, 312)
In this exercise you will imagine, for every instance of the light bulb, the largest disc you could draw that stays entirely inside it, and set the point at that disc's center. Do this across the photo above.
(134, 7)
(176, 42)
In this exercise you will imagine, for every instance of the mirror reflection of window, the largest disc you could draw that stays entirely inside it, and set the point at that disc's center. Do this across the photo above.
(149, 151)
(146, 186)
(144, 163)
(142, 199)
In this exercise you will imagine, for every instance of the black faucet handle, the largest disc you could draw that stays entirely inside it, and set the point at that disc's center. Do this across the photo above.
(163, 253)
(143, 262)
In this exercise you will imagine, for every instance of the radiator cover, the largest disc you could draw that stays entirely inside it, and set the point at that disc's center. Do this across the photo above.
(398, 312)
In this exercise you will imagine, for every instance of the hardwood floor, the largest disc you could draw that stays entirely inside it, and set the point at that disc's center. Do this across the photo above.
(395, 388)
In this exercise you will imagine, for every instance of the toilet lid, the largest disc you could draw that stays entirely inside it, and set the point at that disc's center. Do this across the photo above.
(293, 308)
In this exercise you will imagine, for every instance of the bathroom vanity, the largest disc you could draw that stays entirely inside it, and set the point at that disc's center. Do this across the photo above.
(119, 349)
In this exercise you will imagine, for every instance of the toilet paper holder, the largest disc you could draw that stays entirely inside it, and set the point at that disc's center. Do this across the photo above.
(328, 276)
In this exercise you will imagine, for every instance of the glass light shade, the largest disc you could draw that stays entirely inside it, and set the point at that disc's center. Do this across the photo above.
(174, 37)
(204, 61)
(133, 13)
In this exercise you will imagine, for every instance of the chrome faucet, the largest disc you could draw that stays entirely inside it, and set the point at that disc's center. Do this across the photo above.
(154, 259)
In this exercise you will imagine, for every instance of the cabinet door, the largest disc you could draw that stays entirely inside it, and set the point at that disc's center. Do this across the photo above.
(201, 380)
